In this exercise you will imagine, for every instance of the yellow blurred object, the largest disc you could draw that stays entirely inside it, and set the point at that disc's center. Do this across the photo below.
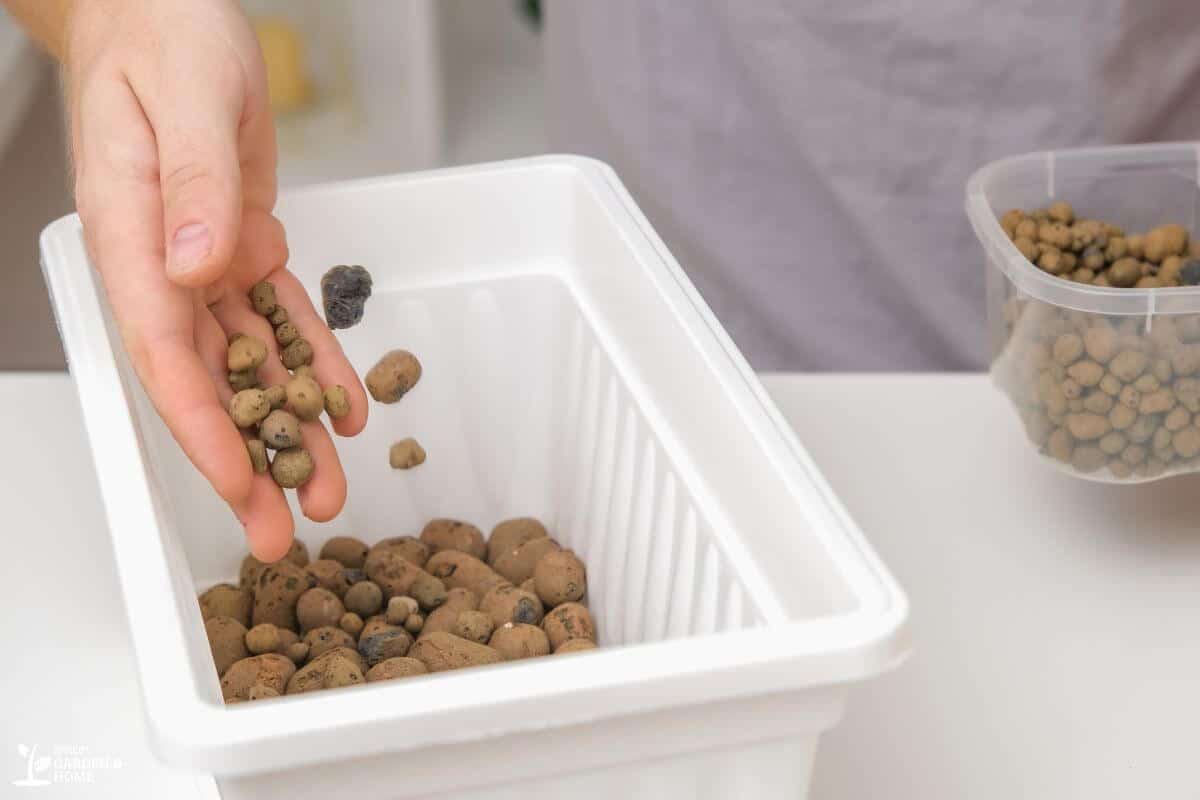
(287, 69)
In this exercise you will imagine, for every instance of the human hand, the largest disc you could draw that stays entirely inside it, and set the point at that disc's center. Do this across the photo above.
(175, 158)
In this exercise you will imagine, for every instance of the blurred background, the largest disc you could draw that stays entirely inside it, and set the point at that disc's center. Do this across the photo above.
(410, 85)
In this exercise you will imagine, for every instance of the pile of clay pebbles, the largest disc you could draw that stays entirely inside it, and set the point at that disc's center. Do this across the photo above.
(1101, 393)
(408, 605)
(1103, 253)
(271, 417)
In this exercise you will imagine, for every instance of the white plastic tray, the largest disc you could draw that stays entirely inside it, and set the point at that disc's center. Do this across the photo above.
(571, 373)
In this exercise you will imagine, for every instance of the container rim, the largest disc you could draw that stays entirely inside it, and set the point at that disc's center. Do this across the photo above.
(985, 222)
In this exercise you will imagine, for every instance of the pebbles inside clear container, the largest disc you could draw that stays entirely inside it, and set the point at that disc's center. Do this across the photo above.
(1105, 380)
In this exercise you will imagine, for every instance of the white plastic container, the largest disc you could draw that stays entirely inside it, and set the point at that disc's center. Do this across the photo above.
(1136, 187)
(571, 373)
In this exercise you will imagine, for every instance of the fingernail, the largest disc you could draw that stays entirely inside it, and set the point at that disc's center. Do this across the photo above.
(192, 243)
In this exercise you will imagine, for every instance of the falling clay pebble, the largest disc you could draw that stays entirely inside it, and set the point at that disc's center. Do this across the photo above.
(406, 454)
(344, 292)
(393, 376)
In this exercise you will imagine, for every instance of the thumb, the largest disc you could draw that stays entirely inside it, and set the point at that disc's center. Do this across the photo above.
(200, 176)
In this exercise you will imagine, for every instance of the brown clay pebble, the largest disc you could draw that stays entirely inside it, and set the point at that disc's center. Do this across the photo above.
(248, 575)
(1100, 343)
(560, 577)
(260, 692)
(269, 669)
(376, 624)
(510, 534)
(399, 576)
(278, 316)
(297, 354)
(406, 454)
(330, 575)
(382, 645)
(347, 550)
(530, 585)
(332, 670)
(249, 407)
(1186, 442)
(400, 608)
(506, 603)
(276, 396)
(262, 296)
(322, 640)
(393, 668)
(414, 624)
(515, 641)
(304, 396)
(445, 651)
(455, 568)
(280, 430)
(292, 467)
(1125, 272)
(227, 641)
(318, 608)
(474, 626)
(568, 621)
(574, 646)
(393, 376)
(286, 333)
(444, 616)
(248, 352)
(517, 564)
(364, 599)
(351, 623)
(227, 600)
(304, 371)
(410, 548)
(297, 553)
(337, 401)
(277, 591)
(453, 534)
(247, 379)
(263, 638)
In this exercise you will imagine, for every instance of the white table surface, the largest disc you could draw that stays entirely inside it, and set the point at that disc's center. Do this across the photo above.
(1057, 648)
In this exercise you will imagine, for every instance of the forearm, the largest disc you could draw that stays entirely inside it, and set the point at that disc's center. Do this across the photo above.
(44, 20)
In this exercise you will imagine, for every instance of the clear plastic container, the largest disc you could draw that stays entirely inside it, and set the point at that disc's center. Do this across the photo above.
(571, 372)
(1125, 408)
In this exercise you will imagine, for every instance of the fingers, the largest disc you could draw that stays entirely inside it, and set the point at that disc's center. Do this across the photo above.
(324, 495)
(329, 362)
(196, 126)
(120, 203)
(267, 519)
